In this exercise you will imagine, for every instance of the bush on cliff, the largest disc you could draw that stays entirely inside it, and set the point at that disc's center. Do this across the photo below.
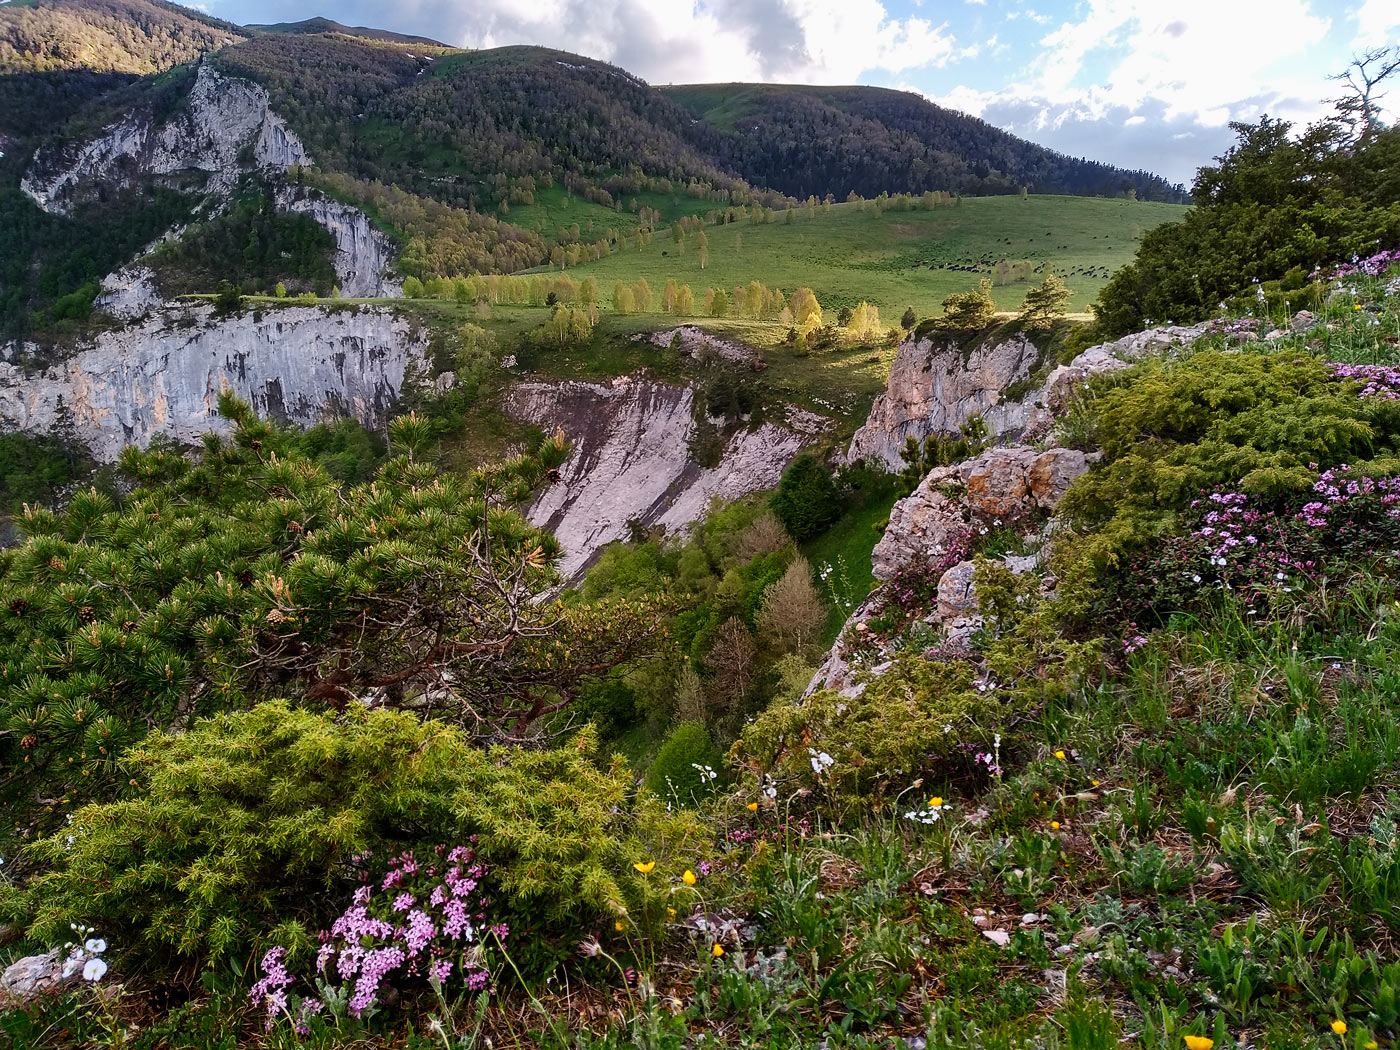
(1171, 430)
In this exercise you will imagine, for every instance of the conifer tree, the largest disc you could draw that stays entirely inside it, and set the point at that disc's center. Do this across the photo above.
(249, 572)
(1045, 303)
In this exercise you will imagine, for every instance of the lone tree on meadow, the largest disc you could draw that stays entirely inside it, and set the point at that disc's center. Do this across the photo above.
(967, 311)
(1045, 303)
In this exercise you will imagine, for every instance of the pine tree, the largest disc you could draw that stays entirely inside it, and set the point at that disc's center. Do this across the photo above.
(1045, 303)
(970, 310)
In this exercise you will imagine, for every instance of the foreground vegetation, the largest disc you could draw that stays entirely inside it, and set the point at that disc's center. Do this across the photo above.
(1158, 802)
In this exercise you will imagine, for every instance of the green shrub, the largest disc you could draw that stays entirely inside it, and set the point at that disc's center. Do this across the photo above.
(807, 501)
(1170, 430)
(969, 311)
(241, 829)
(251, 574)
(1276, 202)
(916, 715)
(687, 768)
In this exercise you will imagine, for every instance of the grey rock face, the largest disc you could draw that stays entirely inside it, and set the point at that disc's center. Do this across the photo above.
(129, 293)
(364, 257)
(935, 387)
(164, 376)
(33, 976)
(222, 117)
(631, 461)
(1010, 483)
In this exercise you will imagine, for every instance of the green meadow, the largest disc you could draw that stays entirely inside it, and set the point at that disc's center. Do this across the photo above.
(895, 259)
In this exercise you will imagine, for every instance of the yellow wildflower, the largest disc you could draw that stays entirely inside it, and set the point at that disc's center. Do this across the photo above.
(670, 913)
(1060, 755)
(1198, 1042)
(717, 950)
(1094, 782)
(619, 926)
(645, 866)
(688, 878)
(936, 801)
(1054, 825)
(1339, 1026)
(753, 807)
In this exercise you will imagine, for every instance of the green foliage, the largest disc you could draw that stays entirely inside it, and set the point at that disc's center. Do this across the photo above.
(253, 246)
(50, 265)
(1045, 303)
(687, 767)
(567, 327)
(229, 300)
(1274, 202)
(879, 741)
(807, 500)
(32, 468)
(970, 311)
(251, 572)
(237, 831)
(1172, 429)
(128, 36)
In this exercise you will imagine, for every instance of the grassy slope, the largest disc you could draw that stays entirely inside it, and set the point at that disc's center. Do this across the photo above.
(847, 254)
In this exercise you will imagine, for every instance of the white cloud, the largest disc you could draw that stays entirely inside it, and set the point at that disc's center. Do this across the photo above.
(1143, 73)
(1375, 20)
(675, 41)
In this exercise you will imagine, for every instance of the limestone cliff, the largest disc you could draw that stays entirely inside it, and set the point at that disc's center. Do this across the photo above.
(631, 460)
(364, 257)
(225, 128)
(936, 386)
(164, 375)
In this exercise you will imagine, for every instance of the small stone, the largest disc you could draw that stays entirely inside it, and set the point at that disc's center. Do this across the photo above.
(1277, 333)
(1030, 919)
(35, 975)
(1302, 321)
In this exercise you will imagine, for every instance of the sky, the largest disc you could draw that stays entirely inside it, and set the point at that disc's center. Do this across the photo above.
(1139, 83)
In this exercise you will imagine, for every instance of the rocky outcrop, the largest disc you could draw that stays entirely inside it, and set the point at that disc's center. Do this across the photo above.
(164, 376)
(1008, 485)
(631, 461)
(129, 293)
(224, 128)
(936, 386)
(364, 257)
(695, 342)
(1015, 485)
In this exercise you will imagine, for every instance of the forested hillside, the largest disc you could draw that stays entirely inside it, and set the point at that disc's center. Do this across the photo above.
(807, 141)
(120, 36)
(309, 26)
(477, 128)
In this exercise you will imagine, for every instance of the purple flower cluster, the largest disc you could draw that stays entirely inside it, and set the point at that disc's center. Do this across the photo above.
(420, 919)
(1376, 380)
(415, 924)
(1259, 551)
(271, 992)
(1371, 266)
(1343, 495)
